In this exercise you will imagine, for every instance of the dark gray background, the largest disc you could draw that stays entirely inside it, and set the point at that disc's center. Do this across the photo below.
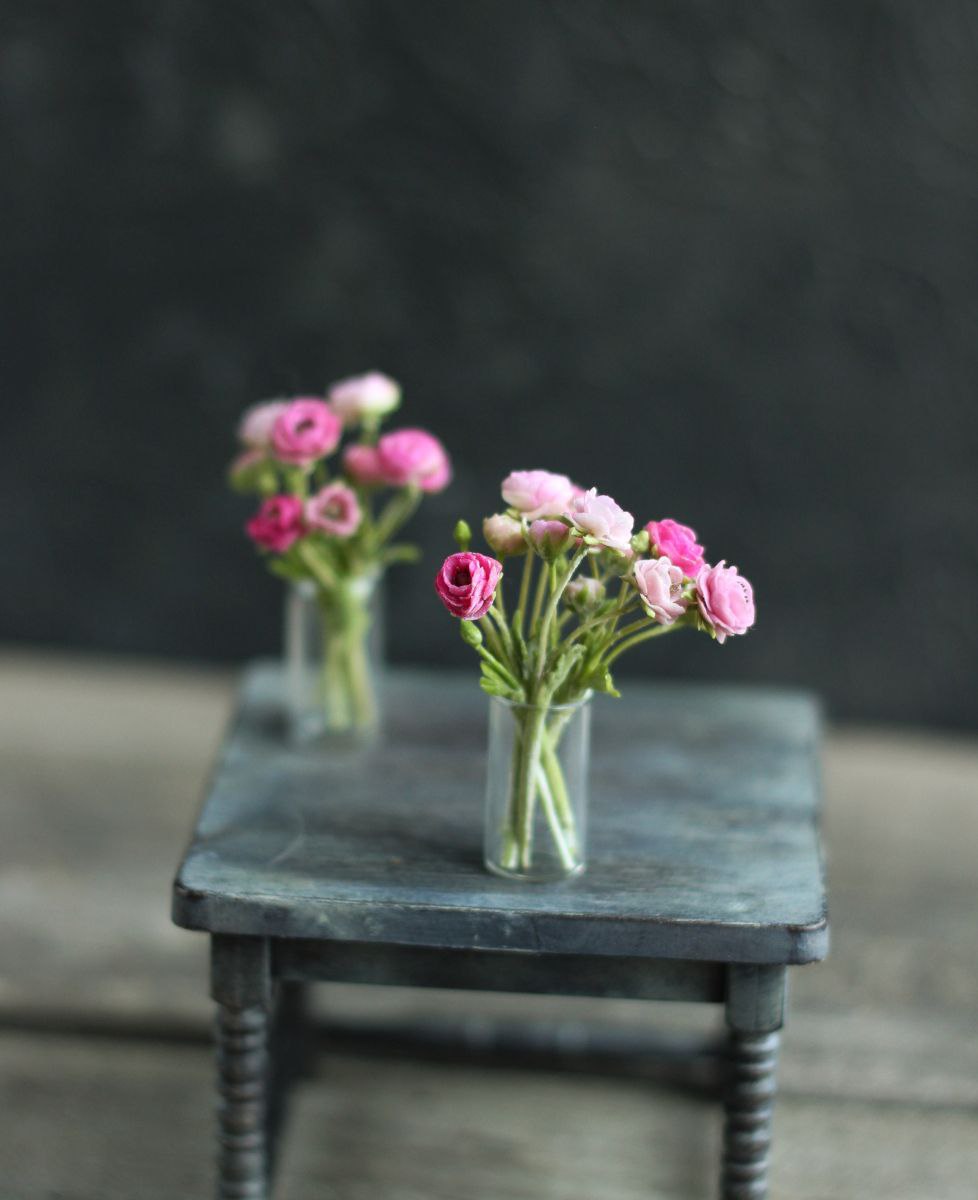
(719, 259)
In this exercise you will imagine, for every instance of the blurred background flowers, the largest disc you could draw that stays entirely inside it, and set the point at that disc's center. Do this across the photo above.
(725, 251)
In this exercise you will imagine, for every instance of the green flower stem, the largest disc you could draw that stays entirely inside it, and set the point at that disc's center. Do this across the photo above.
(564, 851)
(396, 512)
(317, 568)
(525, 588)
(527, 783)
(629, 642)
(551, 612)
(347, 689)
(542, 580)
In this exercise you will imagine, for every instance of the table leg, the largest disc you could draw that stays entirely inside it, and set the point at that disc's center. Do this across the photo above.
(240, 985)
(755, 1012)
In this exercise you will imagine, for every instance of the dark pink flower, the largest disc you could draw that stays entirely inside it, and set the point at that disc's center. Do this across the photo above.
(277, 524)
(677, 543)
(467, 584)
(725, 599)
(413, 456)
(307, 429)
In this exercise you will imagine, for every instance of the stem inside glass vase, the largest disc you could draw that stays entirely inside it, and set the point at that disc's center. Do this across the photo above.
(536, 798)
(332, 639)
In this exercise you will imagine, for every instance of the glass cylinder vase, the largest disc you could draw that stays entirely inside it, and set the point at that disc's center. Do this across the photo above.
(536, 789)
(333, 652)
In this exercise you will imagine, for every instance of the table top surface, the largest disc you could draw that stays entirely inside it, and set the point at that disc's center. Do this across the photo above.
(703, 838)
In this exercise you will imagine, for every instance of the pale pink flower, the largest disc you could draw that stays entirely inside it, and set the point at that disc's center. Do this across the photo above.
(660, 584)
(255, 428)
(677, 543)
(537, 493)
(604, 520)
(725, 599)
(467, 582)
(413, 456)
(370, 395)
(335, 510)
(549, 538)
(305, 430)
(504, 534)
(277, 523)
(362, 465)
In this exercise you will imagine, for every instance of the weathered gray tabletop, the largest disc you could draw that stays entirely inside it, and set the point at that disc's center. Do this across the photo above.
(704, 876)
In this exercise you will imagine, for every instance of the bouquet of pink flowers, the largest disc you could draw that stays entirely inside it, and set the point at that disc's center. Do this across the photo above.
(319, 524)
(590, 590)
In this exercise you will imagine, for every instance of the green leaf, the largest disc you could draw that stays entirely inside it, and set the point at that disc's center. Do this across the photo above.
(600, 681)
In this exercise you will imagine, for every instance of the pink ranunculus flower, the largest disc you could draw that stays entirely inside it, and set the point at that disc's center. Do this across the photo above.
(255, 427)
(677, 543)
(277, 523)
(549, 538)
(413, 456)
(603, 519)
(334, 509)
(660, 584)
(725, 599)
(362, 465)
(467, 584)
(370, 395)
(504, 534)
(537, 494)
(305, 430)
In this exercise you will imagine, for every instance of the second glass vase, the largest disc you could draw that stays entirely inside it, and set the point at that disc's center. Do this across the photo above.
(536, 789)
(333, 649)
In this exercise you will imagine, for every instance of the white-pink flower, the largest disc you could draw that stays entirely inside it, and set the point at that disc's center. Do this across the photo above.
(334, 510)
(660, 584)
(504, 534)
(602, 519)
(537, 493)
(360, 396)
(255, 428)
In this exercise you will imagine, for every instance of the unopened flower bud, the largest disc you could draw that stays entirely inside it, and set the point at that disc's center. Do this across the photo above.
(584, 595)
(549, 538)
(504, 534)
(462, 535)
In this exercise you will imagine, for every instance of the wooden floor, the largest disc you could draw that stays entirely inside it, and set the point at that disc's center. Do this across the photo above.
(105, 1075)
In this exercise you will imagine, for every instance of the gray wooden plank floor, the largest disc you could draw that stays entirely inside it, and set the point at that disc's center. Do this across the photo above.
(105, 1080)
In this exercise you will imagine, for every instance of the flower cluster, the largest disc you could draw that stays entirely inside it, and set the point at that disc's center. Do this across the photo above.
(321, 524)
(568, 628)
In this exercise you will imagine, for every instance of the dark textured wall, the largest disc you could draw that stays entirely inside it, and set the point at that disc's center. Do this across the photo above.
(720, 259)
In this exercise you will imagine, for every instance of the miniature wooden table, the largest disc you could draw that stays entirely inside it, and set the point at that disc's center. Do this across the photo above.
(704, 879)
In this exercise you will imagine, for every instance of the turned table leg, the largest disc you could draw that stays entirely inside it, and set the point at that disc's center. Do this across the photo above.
(240, 985)
(755, 1012)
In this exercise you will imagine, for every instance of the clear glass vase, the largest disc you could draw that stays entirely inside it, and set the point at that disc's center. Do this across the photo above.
(333, 652)
(536, 789)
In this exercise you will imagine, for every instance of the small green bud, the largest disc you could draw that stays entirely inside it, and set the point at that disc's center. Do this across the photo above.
(471, 634)
(640, 542)
(463, 535)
